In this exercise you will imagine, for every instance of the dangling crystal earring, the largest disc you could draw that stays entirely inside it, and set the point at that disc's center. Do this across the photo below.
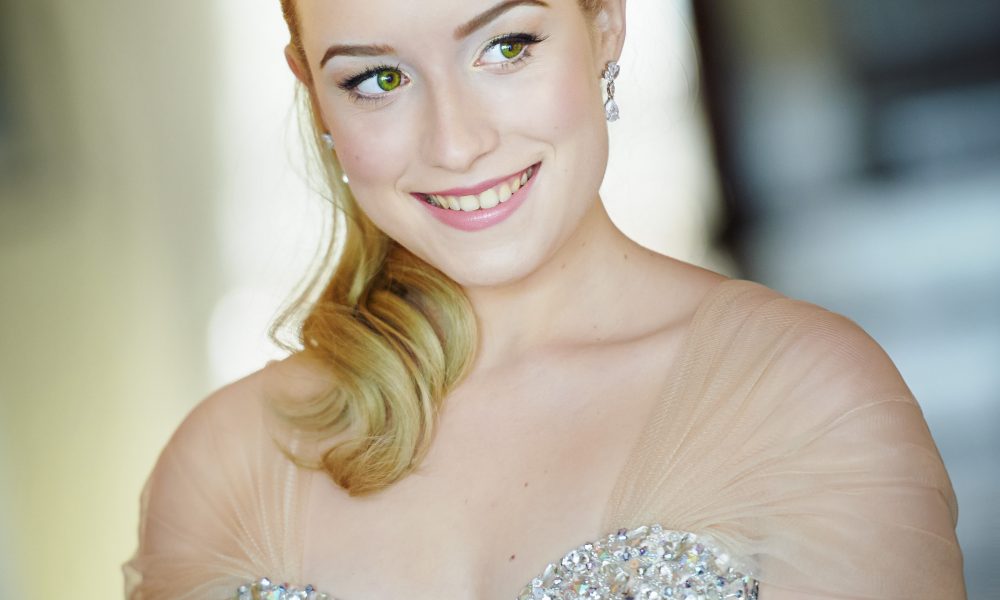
(611, 107)
(327, 141)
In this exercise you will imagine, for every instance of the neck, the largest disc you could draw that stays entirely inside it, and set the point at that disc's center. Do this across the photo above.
(582, 294)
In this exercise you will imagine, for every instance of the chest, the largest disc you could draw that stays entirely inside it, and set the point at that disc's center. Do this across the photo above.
(520, 471)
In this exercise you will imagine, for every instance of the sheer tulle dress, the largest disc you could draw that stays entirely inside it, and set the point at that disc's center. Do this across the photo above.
(786, 453)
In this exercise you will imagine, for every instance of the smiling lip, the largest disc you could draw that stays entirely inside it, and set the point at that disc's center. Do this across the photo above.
(478, 188)
(474, 220)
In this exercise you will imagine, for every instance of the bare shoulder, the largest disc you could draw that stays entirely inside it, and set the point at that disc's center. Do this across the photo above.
(300, 377)
(221, 484)
(811, 327)
(828, 337)
(819, 355)
(231, 406)
(836, 380)
(815, 332)
(673, 290)
(690, 280)
(224, 440)
(182, 499)
(237, 406)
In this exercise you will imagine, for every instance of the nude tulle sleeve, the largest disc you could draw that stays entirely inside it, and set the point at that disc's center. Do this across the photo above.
(221, 508)
(789, 436)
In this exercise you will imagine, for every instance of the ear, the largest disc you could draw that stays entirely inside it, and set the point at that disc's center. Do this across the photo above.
(609, 28)
(301, 73)
(300, 70)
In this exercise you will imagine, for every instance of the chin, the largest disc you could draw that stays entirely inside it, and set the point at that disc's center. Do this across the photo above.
(516, 257)
(496, 278)
(491, 269)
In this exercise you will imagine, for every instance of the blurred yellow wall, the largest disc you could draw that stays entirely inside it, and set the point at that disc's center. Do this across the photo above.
(106, 270)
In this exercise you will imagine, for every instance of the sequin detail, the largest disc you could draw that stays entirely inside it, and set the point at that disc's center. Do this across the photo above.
(265, 589)
(646, 563)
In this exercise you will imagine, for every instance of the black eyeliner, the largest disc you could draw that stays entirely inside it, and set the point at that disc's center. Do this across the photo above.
(354, 81)
(527, 39)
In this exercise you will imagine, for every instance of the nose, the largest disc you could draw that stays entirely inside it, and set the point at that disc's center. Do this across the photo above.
(460, 128)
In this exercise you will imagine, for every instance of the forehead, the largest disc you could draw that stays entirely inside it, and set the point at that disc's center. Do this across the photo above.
(377, 21)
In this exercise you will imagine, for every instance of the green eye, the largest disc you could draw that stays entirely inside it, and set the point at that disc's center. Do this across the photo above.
(511, 49)
(389, 79)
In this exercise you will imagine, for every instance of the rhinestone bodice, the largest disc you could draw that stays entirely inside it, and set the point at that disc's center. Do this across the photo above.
(645, 563)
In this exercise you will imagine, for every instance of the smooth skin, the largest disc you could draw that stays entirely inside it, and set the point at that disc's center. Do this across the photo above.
(579, 324)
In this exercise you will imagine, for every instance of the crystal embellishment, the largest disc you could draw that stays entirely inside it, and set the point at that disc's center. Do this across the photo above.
(611, 72)
(265, 589)
(646, 563)
(611, 111)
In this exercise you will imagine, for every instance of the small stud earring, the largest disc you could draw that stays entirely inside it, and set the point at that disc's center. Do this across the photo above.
(327, 141)
(611, 72)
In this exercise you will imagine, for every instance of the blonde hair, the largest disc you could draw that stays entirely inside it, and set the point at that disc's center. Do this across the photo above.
(394, 333)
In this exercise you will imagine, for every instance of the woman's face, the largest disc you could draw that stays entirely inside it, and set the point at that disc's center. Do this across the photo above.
(444, 102)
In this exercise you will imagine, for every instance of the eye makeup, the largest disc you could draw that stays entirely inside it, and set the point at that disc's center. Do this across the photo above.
(514, 49)
(379, 73)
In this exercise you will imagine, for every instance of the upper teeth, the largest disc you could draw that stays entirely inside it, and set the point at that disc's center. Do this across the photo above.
(488, 199)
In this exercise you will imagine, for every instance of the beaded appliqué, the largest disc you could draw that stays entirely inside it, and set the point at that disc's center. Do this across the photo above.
(265, 589)
(646, 563)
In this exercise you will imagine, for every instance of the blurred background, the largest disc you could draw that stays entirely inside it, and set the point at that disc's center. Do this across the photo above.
(156, 211)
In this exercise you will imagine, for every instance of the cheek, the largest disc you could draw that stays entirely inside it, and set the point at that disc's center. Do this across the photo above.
(371, 149)
(374, 152)
(558, 100)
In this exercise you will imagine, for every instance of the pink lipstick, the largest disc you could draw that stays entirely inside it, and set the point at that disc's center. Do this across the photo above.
(483, 205)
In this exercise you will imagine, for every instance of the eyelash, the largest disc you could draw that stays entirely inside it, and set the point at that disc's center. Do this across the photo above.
(529, 40)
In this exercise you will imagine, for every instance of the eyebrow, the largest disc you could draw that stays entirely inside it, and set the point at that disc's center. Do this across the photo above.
(461, 32)
(352, 50)
(492, 14)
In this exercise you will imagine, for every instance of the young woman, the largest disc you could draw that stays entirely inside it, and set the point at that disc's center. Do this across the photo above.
(498, 395)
